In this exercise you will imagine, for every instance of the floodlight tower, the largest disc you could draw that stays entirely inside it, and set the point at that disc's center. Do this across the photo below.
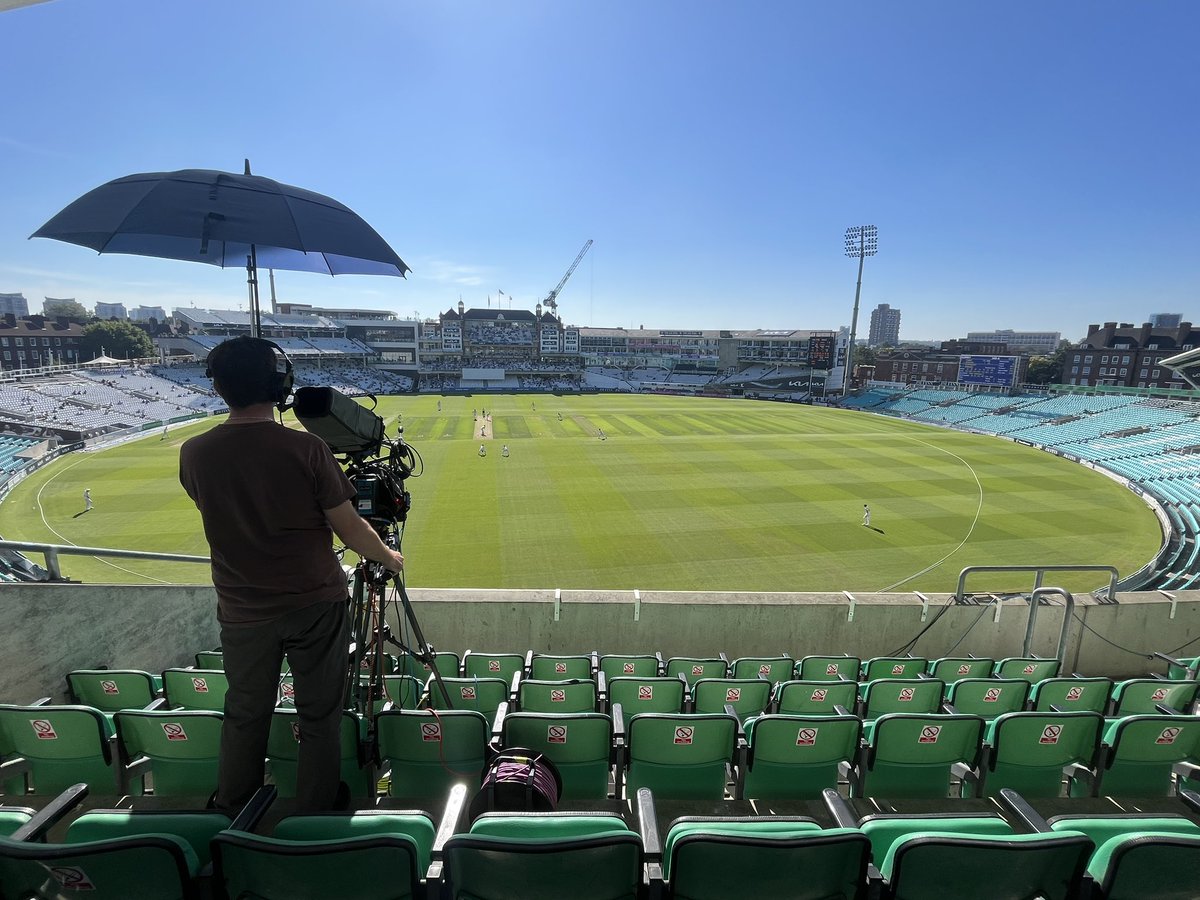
(861, 241)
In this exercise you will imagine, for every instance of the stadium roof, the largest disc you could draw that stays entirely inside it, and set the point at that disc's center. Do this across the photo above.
(225, 318)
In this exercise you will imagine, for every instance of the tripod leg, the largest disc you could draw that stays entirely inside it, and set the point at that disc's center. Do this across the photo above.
(423, 648)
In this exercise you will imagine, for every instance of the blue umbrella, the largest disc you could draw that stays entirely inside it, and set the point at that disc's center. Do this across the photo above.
(225, 219)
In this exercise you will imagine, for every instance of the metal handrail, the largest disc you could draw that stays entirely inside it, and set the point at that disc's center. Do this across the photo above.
(1113, 575)
(1063, 633)
(53, 551)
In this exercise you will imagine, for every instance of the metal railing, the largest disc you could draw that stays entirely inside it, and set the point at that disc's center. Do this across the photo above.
(52, 552)
(1039, 571)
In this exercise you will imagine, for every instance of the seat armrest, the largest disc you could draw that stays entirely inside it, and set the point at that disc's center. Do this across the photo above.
(514, 688)
(841, 710)
(48, 816)
(528, 667)
(842, 814)
(1019, 807)
(601, 689)
(1191, 799)
(252, 812)
(1186, 770)
(662, 663)
(618, 720)
(498, 723)
(647, 821)
(1167, 710)
(42, 701)
(950, 708)
(448, 824)
(159, 702)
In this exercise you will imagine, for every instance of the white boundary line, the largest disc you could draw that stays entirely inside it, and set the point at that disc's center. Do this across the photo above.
(970, 531)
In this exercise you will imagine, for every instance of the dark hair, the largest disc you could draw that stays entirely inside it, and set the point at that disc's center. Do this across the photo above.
(244, 371)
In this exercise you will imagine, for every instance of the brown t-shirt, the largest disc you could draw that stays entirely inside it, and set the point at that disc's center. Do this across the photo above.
(262, 490)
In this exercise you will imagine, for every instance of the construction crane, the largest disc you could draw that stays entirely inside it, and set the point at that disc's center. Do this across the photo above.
(551, 301)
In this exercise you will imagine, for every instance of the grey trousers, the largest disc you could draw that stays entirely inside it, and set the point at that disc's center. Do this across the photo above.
(315, 640)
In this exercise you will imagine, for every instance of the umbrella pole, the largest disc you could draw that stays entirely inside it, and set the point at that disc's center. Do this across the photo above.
(252, 285)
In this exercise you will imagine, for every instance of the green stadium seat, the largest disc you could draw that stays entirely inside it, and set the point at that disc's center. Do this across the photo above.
(1027, 668)
(210, 659)
(544, 856)
(747, 696)
(913, 756)
(478, 664)
(12, 818)
(1138, 757)
(1071, 694)
(619, 666)
(283, 753)
(648, 694)
(1183, 669)
(955, 668)
(196, 827)
(428, 752)
(764, 857)
(901, 695)
(936, 864)
(573, 695)
(881, 667)
(987, 697)
(1159, 864)
(579, 744)
(828, 668)
(796, 757)
(771, 668)
(178, 748)
(403, 691)
(693, 668)
(680, 757)
(195, 688)
(885, 830)
(109, 690)
(816, 698)
(56, 747)
(1028, 751)
(548, 667)
(447, 663)
(1144, 696)
(369, 855)
(483, 695)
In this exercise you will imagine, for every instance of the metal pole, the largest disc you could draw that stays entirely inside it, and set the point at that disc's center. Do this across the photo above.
(854, 321)
(252, 285)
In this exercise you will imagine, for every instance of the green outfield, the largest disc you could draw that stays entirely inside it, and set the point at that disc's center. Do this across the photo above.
(683, 494)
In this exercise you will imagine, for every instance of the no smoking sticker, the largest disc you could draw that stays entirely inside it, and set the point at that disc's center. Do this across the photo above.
(831, 669)
(174, 731)
(1029, 669)
(1160, 694)
(1050, 734)
(467, 693)
(806, 737)
(683, 734)
(1075, 693)
(898, 669)
(289, 691)
(1168, 736)
(43, 729)
(964, 670)
(645, 692)
(109, 687)
(764, 671)
(818, 696)
(493, 665)
(72, 878)
(627, 668)
(906, 694)
(733, 695)
(991, 695)
(556, 734)
(558, 696)
(199, 685)
(697, 670)
(431, 732)
(929, 734)
(560, 668)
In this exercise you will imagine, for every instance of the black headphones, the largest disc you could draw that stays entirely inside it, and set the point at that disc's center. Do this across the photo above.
(279, 383)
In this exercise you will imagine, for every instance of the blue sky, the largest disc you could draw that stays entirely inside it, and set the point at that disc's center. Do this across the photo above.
(1029, 164)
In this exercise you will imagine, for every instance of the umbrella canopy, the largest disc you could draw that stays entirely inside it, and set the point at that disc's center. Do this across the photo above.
(225, 219)
(215, 217)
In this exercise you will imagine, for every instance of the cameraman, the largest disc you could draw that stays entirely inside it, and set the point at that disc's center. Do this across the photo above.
(269, 497)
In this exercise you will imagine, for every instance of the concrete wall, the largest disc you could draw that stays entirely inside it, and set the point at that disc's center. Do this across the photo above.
(47, 630)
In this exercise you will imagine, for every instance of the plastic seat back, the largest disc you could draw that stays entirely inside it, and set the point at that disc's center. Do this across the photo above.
(196, 828)
(882, 667)
(1140, 753)
(680, 757)
(447, 663)
(940, 865)
(479, 664)
(430, 752)
(567, 696)
(111, 689)
(283, 753)
(182, 744)
(638, 666)
(195, 688)
(548, 667)
(770, 668)
(1030, 750)
(493, 866)
(815, 698)
(828, 668)
(328, 856)
(482, 695)
(902, 695)
(646, 695)
(717, 860)
(1027, 668)
(1071, 694)
(747, 696)
(693, 668)
(1142, 864)
(210, 659)
(796, 757)
(1141, 696)
(987, 697)
(64, 745)
(579, 745)
(404, 691)
(955, 668)
(911, 755)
